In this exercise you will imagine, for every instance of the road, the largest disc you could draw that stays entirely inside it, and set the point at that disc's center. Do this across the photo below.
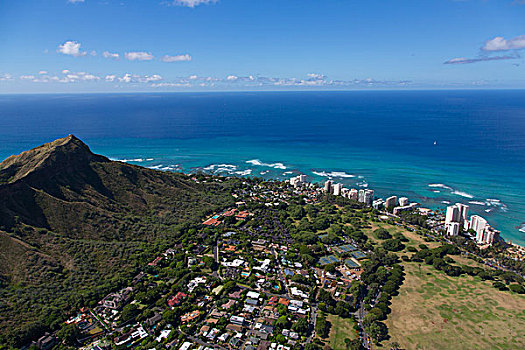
(216, 257)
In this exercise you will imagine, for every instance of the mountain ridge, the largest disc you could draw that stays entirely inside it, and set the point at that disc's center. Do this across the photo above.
(72, 220)
(18, 167)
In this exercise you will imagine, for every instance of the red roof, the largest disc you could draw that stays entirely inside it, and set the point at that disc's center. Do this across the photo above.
(155, 262)
(177, 299)
(211, 222)
(229, 212)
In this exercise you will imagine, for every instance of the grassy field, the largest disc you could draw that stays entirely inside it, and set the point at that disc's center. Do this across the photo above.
(342, 328)
(414, 238)
(434, 311)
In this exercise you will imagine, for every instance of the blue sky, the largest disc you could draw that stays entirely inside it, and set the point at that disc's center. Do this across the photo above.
(194, 45)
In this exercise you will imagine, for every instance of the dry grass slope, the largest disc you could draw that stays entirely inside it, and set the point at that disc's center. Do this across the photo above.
(435, 311)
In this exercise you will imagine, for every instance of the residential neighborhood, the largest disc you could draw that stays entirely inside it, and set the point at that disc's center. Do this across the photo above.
(242, 280)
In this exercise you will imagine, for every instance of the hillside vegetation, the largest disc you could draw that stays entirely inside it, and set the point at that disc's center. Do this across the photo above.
(73, 224)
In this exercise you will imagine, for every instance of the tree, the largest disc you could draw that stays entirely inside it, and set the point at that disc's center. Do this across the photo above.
(69, 334)
(301, 326)
(322, 327)
(378, 331)
(499, 285)
(353, 344)
(330, 268)
(280, 338)
(517, 288)
(210, 262)
(129, 312)
(381, 233)
(393, 245)
(282, 322)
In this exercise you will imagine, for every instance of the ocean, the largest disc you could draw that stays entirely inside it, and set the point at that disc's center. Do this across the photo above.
(434, 147)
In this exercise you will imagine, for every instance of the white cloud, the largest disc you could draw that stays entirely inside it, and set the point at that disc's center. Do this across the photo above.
(160, 85)
(108, 54)
(499, 43)
(72, 77)
(464, 60)
(71, 48)
(42, 72)
(134, 78)
(192, 3)
(110, 77)
(27, 77)
(89, 77)
(6, 77)
(138, 56)
(232, 78)
(316, 76)
(75, 1)
(154, 77)
(177, 58)
(126, 78)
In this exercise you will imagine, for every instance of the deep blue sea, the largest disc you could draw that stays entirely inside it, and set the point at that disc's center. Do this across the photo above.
(436, 147)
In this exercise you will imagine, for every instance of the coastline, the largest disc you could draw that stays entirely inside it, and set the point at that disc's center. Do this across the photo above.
(384, 141)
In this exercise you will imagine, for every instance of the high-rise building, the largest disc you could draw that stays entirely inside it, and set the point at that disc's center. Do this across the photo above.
(302, 178)
(378, 204)
(452, 215)
(391, 202)
(478, 224)
(490, 235)
(328, 186)
(368, 197)
(353, 195)
(403, 201)
(453, 229)
(361, 196)
(409, 207)
(337, 189)
(463, 214)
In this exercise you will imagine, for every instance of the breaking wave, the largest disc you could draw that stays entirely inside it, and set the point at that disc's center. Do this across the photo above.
(257, 162)
(333, 174)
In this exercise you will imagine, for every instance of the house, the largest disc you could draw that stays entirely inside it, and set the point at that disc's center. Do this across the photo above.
(235, 295)
(155, 262)
(116, 300)
(212, 334)
(252, 302)
(46, 342)
(204, 329)
(190, 316)
(237, 320)
(253, 295)
(234, 327)
(163, 335)
(211, 222)
(186, 346)
(229, 304)
(150, 322)
(177, 299)
(224, 337)
(284, 301)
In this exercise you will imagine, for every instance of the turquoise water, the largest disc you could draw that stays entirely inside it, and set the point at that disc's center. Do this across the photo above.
(469, 146)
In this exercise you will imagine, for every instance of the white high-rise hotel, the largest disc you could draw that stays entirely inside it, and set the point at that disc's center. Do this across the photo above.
(485, 234)
(457, 217)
